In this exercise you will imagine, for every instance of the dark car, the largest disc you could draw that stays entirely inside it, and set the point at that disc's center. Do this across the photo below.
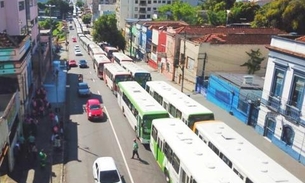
(82, 64)
(83, 89)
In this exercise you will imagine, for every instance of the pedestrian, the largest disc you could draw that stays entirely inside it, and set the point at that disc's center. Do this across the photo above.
(43, 158)
(34, 152)
(135, 148)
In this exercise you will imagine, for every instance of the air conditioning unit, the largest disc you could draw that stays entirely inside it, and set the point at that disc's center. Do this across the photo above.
(248, 79)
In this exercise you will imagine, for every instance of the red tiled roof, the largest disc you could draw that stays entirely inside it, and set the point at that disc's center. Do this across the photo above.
(200, 30)
(288, 52)
(221, 38)
(302, 39)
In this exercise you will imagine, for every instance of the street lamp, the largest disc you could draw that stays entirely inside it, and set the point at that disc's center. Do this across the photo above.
(50, 37)
(182, 62)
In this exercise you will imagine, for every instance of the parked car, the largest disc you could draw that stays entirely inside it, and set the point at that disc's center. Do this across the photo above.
(83, 89)
(76, 47)
(105, 170)
(94, 109)
(82, 64)
(72, 63)
(78, 53)
(74, 39)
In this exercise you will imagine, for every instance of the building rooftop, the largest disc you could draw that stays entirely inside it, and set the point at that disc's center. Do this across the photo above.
(9, 41)
(238, 80)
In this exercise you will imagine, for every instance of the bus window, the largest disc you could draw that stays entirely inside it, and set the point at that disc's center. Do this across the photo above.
(225, 159)
(176, 163)
(214, 148)
(165, 105)
(239, 175)
(178, 114)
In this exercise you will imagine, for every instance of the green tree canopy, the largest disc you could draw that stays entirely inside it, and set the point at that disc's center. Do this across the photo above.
(79, 3)
(285, 15)
(60, 5)
(87, 18)
(254, 62)
(105, 29)
(178, 10)
(243, 10)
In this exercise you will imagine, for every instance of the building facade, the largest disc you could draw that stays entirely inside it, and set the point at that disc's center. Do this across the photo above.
(19, 45)
(281, 112)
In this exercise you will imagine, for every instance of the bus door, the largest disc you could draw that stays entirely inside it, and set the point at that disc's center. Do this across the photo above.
(140, 126)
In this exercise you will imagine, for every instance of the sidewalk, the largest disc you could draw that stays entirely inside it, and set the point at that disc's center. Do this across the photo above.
(247, 132)
(28, 170)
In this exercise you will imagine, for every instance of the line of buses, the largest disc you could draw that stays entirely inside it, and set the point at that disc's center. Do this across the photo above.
(189, 145)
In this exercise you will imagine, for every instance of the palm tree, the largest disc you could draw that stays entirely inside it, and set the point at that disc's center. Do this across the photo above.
(254, 62)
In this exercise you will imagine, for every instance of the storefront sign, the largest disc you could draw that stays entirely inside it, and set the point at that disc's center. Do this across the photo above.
(7, 68)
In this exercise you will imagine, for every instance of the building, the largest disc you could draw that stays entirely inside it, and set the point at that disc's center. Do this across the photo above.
(19, 45)
(239, 94)
(141, 9)
(281, 117)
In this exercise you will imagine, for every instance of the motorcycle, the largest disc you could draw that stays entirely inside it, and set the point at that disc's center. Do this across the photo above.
(80, 78)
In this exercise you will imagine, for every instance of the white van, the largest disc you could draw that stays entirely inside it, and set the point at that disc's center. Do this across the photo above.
(105, 170)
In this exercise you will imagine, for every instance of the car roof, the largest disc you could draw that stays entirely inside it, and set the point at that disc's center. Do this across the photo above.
(93, 101)
(105, 163)
(82, 83)
(82, 60)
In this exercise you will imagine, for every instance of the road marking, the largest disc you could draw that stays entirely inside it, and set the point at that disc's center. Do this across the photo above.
(98, 92)
(118, 142)
(93, 80)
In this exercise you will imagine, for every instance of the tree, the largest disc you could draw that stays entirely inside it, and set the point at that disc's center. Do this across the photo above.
(79, 3)
(243, 10)
(87, 18)
(62, 6)
(282, 14)
(254, 62)
(105, 29)
(178, 10)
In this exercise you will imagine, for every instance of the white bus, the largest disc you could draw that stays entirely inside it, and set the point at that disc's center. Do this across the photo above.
(94, 49)
(98, 64)
(85, 29)
(110, 50)
(183, 157)
(113, 74)
(178, 104)
(138, 74)
(85, 42)
(120, 57)
(246, 160)
(139, 108)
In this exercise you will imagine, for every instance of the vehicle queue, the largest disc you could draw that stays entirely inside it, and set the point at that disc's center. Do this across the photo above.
(164, 117)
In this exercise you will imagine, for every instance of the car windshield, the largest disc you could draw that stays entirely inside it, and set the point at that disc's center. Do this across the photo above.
(83, 86)
(95, 107)
(83, 61)
(110, 176)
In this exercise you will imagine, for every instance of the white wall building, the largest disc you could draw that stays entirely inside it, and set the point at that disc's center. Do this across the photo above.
(281, 112)
(141, 9)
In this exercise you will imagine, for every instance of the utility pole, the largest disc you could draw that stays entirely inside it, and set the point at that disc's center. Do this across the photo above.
(130, 39)
(203, 66)
(182, 62)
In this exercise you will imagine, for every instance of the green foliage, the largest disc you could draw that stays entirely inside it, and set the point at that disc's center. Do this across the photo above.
(254, 62)
(79, 3)
(41, 5)
(282, 14)
(243, 10)
(178, 10)
(87, 18)
(61, 5)
(105, 29)
(217, 18)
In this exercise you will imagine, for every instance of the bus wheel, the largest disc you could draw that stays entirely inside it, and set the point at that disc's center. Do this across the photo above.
(166, 176)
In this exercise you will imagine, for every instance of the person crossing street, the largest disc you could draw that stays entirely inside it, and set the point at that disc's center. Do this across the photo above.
(135, 149)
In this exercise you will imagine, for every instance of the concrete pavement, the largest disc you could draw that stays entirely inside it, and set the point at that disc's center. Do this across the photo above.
(247, 132)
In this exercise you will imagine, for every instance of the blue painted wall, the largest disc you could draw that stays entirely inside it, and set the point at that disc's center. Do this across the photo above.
(226, 95)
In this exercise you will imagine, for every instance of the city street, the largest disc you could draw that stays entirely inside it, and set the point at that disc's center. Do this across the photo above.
(113, 137)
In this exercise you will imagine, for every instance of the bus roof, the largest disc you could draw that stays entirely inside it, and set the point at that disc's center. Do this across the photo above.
(255, 164)
(122, 57)
(116, 69)
(180, 100)
(133, 68)
(86, 41)
(110, 48)
(194, 155)
(101, 59)
(97, 51)
(143, 102)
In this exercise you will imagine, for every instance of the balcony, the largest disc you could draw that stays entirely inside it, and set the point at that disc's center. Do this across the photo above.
(142, 10)
(292, 113)
(143, 3)
(274, 103)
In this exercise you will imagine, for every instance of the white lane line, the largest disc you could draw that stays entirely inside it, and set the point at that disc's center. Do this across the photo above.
(118, 142)
(93, 80)
(98, 92)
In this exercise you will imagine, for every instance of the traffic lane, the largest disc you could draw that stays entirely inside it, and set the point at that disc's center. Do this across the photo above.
(145, 170)
(88, 140)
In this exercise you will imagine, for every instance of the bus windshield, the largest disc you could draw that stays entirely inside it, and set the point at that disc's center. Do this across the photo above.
(119, 78)
(147, 121)
(199, 117)
(142, 78)
(100, 67)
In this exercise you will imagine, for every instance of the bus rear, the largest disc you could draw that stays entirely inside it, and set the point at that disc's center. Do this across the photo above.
(98, 64)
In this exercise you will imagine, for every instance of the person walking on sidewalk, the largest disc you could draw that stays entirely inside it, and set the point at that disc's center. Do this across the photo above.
(135, 148)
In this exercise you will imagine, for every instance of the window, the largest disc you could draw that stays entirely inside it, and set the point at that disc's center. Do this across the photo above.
(163, 2)
(287, 135)
(148, 16)
(178, 114)
(278, 81)
(31, 3)
(168, 152)
(297, 91)
(169, 2)
(154, 48)
(165, 105)
(21, 5)
(1, 4)
(136, 8)
(136, 16)
(136, 1)
(155, 8)
(190, 63)
(172, 110)
(176, 163)
(226, 160)
(239, 174)
(155, 2)
(213, 148)
(148, 9)
(149, 2)
(154, 133)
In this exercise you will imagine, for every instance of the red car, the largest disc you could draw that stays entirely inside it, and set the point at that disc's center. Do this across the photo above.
(74, 39)
(94, 109)
(72, 63)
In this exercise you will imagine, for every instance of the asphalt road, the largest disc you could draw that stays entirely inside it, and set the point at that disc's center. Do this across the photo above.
(112, 137)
